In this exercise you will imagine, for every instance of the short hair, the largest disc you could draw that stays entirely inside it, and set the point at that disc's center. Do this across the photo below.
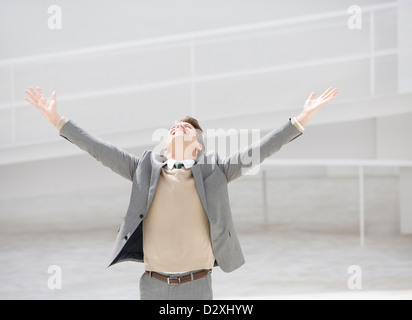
(193, 122)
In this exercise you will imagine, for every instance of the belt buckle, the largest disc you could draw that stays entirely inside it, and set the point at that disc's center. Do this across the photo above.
(174, 278)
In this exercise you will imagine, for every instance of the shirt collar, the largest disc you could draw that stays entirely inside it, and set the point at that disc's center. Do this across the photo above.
(186, 163)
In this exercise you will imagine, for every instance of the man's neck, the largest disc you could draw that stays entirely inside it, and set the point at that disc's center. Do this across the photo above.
(171, 157)
(187, 163)
(182, 160)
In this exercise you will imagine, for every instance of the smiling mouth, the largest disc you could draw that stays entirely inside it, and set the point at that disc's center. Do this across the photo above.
(177, 131)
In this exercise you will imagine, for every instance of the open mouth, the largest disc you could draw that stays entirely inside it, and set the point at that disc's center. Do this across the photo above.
(178, 131)
(185, 129)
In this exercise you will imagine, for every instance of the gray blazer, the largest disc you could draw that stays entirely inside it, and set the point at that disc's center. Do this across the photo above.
(211, 174)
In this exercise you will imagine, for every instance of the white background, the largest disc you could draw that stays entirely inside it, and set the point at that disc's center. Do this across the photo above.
(123, 69)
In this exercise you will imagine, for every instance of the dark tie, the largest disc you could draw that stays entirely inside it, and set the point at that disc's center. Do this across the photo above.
(178, 165)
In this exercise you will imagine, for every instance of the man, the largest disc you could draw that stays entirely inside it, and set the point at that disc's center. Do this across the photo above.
(179, 220)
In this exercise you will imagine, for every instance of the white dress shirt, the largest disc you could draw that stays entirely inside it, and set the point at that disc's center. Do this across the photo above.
(186, 163)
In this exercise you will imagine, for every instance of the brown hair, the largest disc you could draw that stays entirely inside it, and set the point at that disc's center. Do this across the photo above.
(193, 122)
(199, 134)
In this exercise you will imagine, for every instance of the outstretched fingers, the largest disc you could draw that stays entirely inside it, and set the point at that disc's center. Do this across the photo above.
(326, 93)
(329, 94)
(35, 94)
(30, 95)
(41, 92)
(29, 101)
(332, 94)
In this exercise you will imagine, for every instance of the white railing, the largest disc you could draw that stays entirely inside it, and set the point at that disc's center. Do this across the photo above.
(190, 40)
(359, 163)
(188, 37)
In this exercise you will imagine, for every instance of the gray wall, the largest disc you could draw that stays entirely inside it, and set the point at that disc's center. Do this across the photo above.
(122, 69)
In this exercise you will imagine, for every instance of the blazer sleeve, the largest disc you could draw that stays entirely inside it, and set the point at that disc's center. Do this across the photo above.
(109, 155)
(256, 153)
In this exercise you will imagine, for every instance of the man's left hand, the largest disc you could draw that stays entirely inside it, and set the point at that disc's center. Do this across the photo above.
(313, 105)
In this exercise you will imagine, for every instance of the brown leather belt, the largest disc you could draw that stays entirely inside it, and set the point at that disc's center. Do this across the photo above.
(175, 280)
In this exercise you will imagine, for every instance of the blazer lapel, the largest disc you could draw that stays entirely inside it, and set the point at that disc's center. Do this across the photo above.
(197, 175)
(154, 180)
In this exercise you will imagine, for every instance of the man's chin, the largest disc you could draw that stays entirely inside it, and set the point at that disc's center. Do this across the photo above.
(183, 155)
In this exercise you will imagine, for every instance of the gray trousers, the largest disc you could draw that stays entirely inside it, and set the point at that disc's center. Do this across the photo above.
(154, 289)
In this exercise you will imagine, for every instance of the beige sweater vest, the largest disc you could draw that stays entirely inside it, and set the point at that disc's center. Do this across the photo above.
(176, 231)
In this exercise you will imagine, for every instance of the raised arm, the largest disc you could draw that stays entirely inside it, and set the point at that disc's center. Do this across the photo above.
(243, 160)
(109, 155)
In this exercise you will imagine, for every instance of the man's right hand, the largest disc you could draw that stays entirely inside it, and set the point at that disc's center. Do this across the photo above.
(48, 108)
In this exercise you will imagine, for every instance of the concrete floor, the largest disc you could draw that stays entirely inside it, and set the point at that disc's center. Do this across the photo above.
(303, 252)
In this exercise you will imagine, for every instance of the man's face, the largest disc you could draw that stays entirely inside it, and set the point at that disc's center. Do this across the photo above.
(181, 142)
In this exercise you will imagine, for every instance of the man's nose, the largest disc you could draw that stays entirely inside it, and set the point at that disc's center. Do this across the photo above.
(180, 126)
